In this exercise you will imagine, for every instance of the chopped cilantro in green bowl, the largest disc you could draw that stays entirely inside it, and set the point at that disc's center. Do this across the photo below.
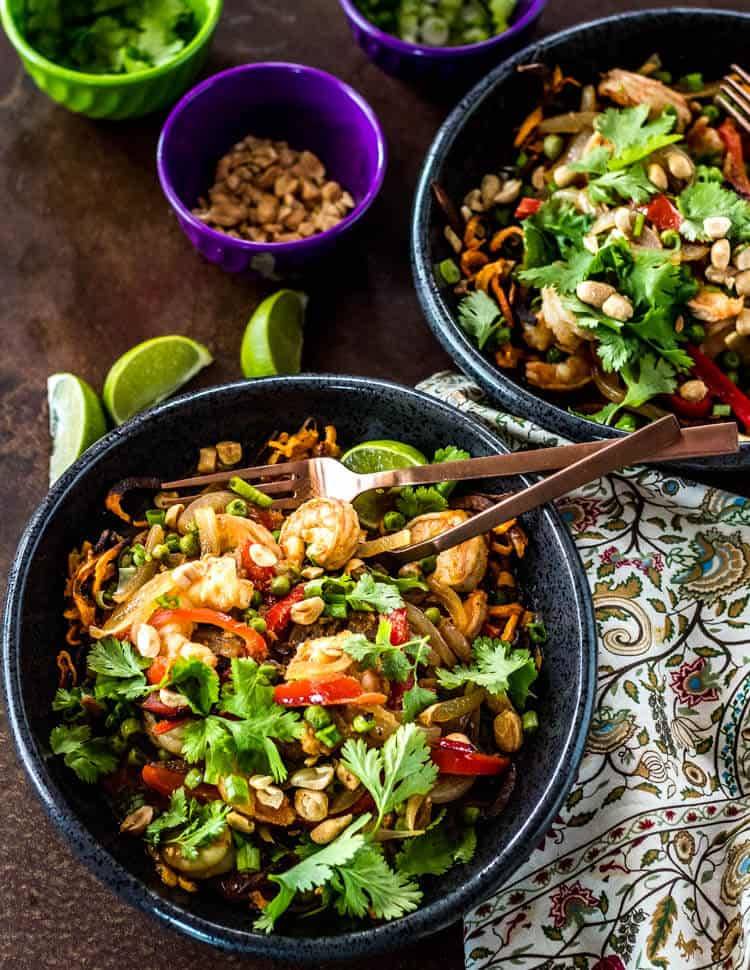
(111, 58)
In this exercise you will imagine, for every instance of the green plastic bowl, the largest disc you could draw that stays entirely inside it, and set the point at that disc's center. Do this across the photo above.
(115, 96)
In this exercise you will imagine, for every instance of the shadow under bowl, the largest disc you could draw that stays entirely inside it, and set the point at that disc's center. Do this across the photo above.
(155, 443)
(308, 108)
(476, 138)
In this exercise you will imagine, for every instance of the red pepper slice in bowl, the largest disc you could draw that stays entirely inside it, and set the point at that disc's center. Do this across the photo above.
(734, 161)
(459, 758)
(165, 780)
(527, 207)
(254, 642)
(690, 409)
(325, 692)
(719, 385)
(662, 214)
(279, 616)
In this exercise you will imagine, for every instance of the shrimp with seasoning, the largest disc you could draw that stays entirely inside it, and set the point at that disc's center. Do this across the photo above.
(325, 530)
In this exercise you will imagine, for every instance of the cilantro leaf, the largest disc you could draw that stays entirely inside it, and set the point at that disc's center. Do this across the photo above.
(209, 740)
(313, 871)
(436, 851)
(116, 658)
(653, 375)
(366, 884)
(368, 594)
(615, 349)
(197, 682)
(415, 700)
(392, 660)
(496, 667)
(68, 701)
(479, 317)
(633, 136)
(175, 815)
(554, 231)
(395, 772)
(628, 185)
(90, 758)
(450, 453)
(705, 199)
(412, 502)
(564, 276)
(249, 690)
(207, 823)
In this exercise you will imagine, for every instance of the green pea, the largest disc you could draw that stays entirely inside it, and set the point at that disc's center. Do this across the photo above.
(553, 146)
(471, 814)
(554, 355)
(259, 624)
(130, 726)
(731, 359)
(449, 271)
(696, 332)
(193, 778)
(190, 544)
(393, 521)
(626, 423)
(428, 564)
(280, 585)
(362, 723)
(692, 82)
(237, 506)
(530, 721)
(711, 112)
(317, 717)
(433, 614)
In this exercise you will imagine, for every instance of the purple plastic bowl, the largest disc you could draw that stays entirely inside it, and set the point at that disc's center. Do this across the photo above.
(302, 105)
(420, 63)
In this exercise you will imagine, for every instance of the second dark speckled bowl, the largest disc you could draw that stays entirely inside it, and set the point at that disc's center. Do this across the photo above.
(476, 138)
(163, 442)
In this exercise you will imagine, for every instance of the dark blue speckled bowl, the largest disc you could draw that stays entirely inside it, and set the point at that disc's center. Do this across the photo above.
(163, 442)
(476, 138)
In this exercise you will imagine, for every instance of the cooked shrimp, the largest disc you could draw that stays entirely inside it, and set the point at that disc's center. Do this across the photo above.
(627, 88)
(326, 530)
(711, 306)
(561, 321)
(568, 375)
(702, 139)
(538, 335)
(220, 588)
(235, 531)
(462, 567)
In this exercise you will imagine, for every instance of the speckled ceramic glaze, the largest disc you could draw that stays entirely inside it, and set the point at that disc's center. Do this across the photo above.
(163, 442)
(424, 64)
(476, 138)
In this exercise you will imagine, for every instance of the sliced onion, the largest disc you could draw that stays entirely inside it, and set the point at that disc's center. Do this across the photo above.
(604, 223)
(452, 709)
(567, 124)
(451, 601)
(208, 530)
(386, 723)
(425, 628)
(137, 609)
(217, 501)
(691, 252)
(608, 384)
(307, 670)
(456, 640)
(388, 835)
(397, 540)
(345, 800)
(235, 531)
(144, 573)
(449, 788)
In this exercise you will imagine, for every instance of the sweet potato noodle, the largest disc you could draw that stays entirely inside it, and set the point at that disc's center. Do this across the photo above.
(275, 717)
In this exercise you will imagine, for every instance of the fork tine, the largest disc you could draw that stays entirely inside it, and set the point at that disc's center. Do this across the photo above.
(287, 503)
(742, 72)
(286, 469)
(735, 98)
(731, 109)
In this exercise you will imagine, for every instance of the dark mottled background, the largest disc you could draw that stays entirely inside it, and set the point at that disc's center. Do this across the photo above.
(91, 262)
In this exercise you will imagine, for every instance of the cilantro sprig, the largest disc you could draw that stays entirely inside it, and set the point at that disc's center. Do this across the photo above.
(497, 667)
(90, 758)
(198, 825)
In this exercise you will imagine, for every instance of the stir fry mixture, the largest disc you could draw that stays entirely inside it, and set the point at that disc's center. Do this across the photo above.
(609, 266)
(278, 718)
(440, 23)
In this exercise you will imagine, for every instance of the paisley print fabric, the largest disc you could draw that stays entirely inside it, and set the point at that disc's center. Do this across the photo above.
(648, 864)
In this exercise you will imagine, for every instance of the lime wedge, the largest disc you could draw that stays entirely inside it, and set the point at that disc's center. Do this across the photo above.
(76, 420)
(378, 456)
(151, 371)
(272, 343)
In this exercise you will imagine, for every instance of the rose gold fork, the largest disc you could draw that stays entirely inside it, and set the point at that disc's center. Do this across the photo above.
(291, 483)
(633, 449)
(735, 96)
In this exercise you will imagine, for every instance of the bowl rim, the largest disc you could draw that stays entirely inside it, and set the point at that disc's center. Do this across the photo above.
(246, 245)
(353, 12)
(29, 53)
(428, 919)
(509, 393)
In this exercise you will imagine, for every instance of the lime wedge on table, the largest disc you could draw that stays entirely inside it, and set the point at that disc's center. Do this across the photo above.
(151, 371)
(272, 343)
(378, 456)
(76, 420)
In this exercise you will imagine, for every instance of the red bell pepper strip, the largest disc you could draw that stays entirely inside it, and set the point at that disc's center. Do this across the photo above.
(399, 626)
(690, 409)
(161, 727)
(154, 706)
(527, 207)
(165, 780)
(334, 690)
(719, 384)
(662, 213)
(261, 576)
(734, 160)
(279, 616)
(459, 758)
(157, 671)
(254, 642)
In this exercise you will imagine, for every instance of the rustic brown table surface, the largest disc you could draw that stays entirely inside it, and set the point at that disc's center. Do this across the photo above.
(91, 262)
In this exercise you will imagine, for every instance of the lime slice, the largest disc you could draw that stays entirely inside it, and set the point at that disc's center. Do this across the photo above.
(151, 371)
(272, 343)
(76, 420)
(378, 456)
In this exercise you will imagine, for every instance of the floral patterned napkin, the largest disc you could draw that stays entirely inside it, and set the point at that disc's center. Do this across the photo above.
(648, 863)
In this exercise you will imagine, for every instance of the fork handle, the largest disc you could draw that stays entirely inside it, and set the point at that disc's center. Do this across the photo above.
(707, 439)
(614, 454)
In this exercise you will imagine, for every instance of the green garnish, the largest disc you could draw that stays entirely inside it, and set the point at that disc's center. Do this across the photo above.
(90, 758)
(496, 667)
(250, 492)
(198, 825)
(479, 317)
(118, 669)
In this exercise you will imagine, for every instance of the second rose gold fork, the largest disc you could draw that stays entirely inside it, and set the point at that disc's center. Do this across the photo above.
(294, 482)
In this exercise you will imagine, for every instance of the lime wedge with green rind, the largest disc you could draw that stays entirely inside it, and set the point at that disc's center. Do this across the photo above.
(150, 372)
(76, 420)
(378, 456)
(272, 342)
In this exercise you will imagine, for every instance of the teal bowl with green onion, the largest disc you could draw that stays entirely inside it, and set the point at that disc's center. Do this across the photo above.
(114, 96)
